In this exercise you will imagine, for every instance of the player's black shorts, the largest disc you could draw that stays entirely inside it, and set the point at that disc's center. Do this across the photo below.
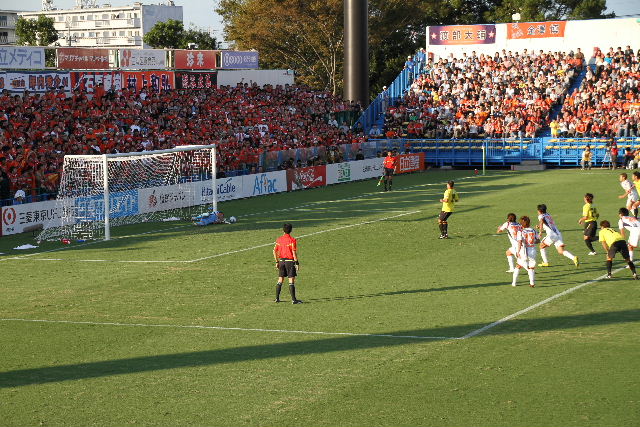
(619, 246)
(287, 268)
(444, 215)
(389, 171)
(590, 229)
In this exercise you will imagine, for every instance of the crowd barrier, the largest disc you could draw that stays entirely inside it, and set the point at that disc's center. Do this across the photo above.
(21, 218)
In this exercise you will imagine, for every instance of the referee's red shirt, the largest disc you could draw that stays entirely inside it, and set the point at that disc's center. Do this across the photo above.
(390, 162)
(285, 245)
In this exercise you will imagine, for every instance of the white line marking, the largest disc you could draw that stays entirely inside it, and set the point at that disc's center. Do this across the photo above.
(220, 254)
(223, 328)
(308, 235)
(534, 306)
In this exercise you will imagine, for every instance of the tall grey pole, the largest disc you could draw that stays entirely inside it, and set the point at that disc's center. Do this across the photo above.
(356, 51)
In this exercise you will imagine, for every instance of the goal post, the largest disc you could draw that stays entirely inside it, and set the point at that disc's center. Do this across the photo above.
(98, 192)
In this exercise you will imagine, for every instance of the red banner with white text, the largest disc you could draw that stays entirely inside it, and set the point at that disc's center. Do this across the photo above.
(309, 177)
(410, 163)
(195, 59)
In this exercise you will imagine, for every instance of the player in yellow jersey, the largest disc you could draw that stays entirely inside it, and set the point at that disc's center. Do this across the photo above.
(589, 217)
(636, 182)
(613, 242)
(449, 199)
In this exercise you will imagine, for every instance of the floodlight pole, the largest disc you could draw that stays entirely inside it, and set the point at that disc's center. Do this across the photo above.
(484, 157)
(356, 51)
(214, 188)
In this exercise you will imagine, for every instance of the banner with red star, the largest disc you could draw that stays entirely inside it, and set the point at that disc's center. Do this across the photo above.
(462, 34)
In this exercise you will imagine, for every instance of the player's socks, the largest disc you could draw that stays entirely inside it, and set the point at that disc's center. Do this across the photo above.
(543, 255)
(568, 255)
(278, 289)
(510, 261)
(532, 276)
(292, 291)
(589, 245)
(445, 226)
(632, 267)
(609, 265)
(441, 229)
(516, 272)
(631, 256)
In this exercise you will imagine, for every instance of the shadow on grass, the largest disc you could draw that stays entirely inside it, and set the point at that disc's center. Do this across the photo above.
(51, 374)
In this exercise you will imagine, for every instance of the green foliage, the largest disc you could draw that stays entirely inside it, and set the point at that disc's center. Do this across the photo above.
(171, 34)
(570, 362)
(308, 38)
(168, 34)
(36, 32)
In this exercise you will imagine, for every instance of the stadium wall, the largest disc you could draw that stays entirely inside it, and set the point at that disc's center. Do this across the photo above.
(586, 34)
(21, 218)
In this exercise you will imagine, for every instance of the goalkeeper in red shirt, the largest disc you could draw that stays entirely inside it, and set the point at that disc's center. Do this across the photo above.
(285, 253)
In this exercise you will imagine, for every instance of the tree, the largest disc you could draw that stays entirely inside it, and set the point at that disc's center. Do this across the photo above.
(36, 32)
(168, 34)
(307, 35)
(172, 35)
(201, 38)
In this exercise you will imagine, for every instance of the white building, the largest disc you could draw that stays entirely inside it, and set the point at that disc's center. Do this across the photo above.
(8, 20)
(107, 26)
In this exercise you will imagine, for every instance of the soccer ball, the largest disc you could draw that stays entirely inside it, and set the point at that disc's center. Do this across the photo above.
(232, 219)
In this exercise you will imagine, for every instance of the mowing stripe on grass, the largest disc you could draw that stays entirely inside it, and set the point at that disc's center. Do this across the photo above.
(223, 328)
(534, 306)
(220, 254)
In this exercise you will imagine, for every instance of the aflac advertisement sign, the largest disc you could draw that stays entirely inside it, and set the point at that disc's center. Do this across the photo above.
(264, 183)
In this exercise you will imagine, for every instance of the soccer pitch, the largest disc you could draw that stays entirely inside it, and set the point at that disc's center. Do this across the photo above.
(170, 324)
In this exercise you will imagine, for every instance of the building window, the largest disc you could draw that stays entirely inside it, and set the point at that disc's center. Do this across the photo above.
(4, 37)
(3, 20)
(60, 18)
(92, 34)
(105, 16)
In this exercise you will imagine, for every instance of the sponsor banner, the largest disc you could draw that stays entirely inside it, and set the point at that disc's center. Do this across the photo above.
(195, 80)
(461, 34)
(20, 218)
(261, 184)
(21, 58)
(142, 58)
(535, 30)
(231, 59)
(354, 171)
(121, 204)
(157, 80)
(259, 77)
(410, 163)
(229, 188)
(88, 80)
(175, 196)
(79, 58)
(195, 59)
(34, 81)
(309, 177)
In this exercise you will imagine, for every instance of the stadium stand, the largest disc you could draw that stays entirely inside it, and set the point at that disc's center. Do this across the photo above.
(246, 123)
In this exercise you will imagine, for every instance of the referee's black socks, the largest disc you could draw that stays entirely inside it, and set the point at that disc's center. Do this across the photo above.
(292, 291)
(278, 289)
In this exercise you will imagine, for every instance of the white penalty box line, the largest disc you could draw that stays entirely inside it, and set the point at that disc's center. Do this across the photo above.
(471, 334)
(343, 227)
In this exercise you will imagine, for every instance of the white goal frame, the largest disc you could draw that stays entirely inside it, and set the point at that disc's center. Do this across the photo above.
(105, 177)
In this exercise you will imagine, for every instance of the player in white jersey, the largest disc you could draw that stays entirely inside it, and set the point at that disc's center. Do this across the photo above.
(512, 228)
(629, 224)
(553, 237)
(526, 250)
(630, 192)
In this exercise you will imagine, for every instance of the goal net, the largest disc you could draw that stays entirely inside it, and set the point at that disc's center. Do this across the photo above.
(98, 192)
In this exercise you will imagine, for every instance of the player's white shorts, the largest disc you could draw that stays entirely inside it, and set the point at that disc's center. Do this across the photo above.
(553, 239)
(528, 259)
(632, 197)
(513, 249)
(634, 236)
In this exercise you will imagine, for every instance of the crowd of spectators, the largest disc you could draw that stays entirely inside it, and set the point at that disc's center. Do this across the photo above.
(607, 104)
(38, 130)
(506, 95)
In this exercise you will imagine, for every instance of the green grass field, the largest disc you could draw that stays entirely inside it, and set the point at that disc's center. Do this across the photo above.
(177, 327)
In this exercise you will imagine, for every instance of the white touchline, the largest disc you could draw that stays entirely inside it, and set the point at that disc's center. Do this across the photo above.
(534, 306)
(223, 328)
